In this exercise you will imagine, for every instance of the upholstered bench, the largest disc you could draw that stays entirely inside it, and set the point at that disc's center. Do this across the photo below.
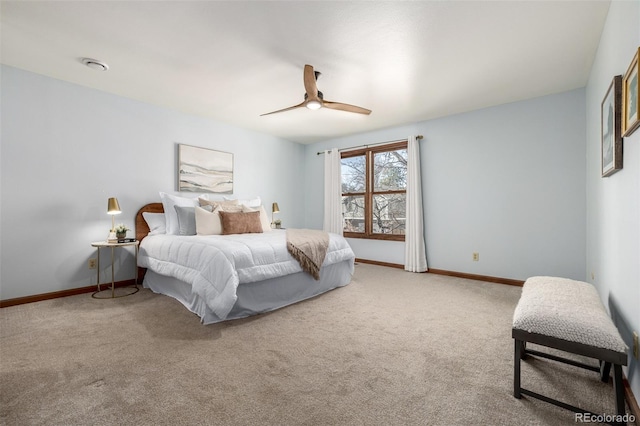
(567, 315)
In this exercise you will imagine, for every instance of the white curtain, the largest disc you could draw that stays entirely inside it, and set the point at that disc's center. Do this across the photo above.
(332, 192)
(415, 255)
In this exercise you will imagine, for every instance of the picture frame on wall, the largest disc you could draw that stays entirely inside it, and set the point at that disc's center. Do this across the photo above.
(611, 131)
(630, 95)
(204, 170)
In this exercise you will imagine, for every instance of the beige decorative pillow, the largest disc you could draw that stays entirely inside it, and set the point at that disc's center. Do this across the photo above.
(232, 209)
(240, 222)
(208, 222)
(264, 218)
(217, 203)
(226, 205)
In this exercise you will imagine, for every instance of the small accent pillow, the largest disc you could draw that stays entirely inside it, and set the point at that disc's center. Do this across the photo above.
(240, 223)
(156, 222)
(186, 220)
(264, 218)
(168, 203)
(208, 221)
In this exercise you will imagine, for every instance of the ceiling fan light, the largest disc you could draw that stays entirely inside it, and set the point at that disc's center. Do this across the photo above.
(314, 105)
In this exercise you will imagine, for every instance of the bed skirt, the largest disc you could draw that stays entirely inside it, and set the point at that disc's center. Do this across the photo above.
(256, 297)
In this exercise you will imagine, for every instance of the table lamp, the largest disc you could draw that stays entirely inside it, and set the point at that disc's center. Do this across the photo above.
(274, 209)
(113, 208)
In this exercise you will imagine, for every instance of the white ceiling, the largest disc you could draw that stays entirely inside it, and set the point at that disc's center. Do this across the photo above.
(232, 61)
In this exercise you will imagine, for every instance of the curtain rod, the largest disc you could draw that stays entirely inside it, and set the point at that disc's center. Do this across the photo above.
(367, 146)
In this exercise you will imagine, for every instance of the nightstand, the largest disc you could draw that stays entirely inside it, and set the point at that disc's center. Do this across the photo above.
(128, 290)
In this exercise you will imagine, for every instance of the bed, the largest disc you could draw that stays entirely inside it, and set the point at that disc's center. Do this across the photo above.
(225, 277)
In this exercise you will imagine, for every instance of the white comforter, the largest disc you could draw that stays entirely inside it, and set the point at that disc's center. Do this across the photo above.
(214, 265)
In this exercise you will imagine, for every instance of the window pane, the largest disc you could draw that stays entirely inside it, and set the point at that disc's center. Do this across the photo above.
(390, 170)
(353, 213)
(353, 174)
(389, 213)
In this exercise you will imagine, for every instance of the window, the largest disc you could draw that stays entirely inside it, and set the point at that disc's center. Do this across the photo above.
(374, 190)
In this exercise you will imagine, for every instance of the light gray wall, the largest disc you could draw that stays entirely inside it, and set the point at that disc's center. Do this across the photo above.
(66, 149)
(613, 203)
(506, 182)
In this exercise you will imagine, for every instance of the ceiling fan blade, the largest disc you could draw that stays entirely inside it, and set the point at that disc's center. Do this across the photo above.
(310, 83)
(345, 107)
(286, 109)
(313, 99)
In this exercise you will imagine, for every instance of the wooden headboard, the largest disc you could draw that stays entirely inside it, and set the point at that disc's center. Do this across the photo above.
(142, 229)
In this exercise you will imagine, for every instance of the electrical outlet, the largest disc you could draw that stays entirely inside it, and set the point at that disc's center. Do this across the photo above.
(476, 257)
(92, 263)
(636, 355)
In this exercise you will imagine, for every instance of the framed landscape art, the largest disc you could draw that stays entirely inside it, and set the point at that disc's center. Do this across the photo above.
(611, 133)
(204, 170)
(631, 93)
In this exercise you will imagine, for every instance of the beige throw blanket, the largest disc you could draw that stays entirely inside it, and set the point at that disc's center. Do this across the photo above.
(309, 247)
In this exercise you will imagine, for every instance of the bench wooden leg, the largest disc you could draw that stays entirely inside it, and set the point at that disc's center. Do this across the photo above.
(520, 352)
(516, 367)
(619, 389)
(605, 370)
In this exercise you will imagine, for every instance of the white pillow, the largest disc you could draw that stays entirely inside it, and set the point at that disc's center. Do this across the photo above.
(169, 202)
(252, 202)
(264, 219)
(156, 222)
(208, 222)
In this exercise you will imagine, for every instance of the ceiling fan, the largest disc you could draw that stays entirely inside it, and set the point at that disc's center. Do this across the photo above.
(313, 98)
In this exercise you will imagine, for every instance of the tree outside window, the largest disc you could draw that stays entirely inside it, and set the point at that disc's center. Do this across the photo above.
(374, 183)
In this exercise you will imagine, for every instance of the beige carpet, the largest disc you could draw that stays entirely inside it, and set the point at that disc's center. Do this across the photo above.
(391, 348)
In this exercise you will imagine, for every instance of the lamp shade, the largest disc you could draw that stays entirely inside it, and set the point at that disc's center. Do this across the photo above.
(113, 207)
(275, 208)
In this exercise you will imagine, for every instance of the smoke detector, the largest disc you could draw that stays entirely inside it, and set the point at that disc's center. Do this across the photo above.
(94, 64)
